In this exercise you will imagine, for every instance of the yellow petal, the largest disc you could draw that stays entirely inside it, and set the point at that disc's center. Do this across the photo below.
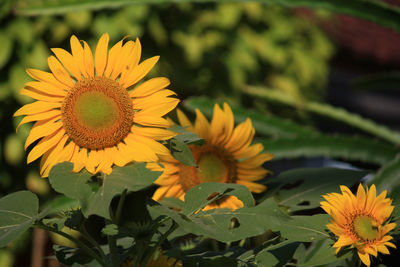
(36, 107)
(139, 72)
(101, 54)
(155, 133)
(253, 187)
(88, 60)
(59, 72)
(46, 88)
(41, 129)
(364, 258)
(68, 61)
(150, 87)
(150, 120)
(39, 117)
(113, 55)
(123, 59)
(44, 145)
(201, 125)
(39, 96)
(78, 54)
(183, 120)
(47, 78)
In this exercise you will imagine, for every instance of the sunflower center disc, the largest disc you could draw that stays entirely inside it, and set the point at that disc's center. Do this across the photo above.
(366, 228)
(211, 168)
(97, 113)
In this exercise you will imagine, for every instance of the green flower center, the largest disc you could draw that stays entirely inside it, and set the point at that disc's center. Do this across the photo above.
(97, 113)
(96, 110)
(211, 168)
(365, 227)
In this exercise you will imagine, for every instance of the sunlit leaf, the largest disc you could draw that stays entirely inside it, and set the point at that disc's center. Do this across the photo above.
(18, 212)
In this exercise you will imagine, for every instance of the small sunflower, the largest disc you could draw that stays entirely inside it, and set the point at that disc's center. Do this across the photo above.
(226, 156)
(88, 110)
(360, 221)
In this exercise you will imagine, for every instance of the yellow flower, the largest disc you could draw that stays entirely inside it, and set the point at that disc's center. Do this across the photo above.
(360, 221)
(227, 156)
(88, 112)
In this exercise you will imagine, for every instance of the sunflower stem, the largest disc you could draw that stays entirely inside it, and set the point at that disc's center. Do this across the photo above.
(80, 244)
(163, 237)
(112, 240)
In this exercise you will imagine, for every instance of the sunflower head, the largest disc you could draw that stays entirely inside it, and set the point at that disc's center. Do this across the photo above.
(360, 221)
(90, 110)
(227, 156)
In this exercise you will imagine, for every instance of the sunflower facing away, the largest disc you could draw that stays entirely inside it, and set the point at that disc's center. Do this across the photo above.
(89, 111)
(360, 221)
(226, 156)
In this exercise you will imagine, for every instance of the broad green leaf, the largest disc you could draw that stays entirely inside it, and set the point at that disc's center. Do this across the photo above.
(305, 228)
(203, 194)
(61, 204)
(227, 226)
(375, 11)
(263, 124)
(328, 111)
(110, 229)
(320, 253)
(277, 255)
(305, 187)
(355, 148)
(96, 199)
(387, 177)
(181, 152)
(179, 145)
(18, 212)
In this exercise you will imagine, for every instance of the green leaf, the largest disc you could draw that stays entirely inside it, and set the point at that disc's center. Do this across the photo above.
(228, 226)
(186, 136)
(263, 124)
(303, 188)
(355, 148)
(305, 228)
(110, 229)
(276, 255)
(18, 212)
(95, 199)
(181, 152)
(387, 177)
(321, 252)
(203, 194)
(328, 111)
(375, 11)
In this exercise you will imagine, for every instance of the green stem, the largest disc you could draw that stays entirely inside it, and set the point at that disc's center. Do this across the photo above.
(80, 244)
(112, 240)
(163, 237)
(88, 237)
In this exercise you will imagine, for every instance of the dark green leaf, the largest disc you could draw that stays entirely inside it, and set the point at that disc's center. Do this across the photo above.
(186, 136)
(18, 212)
(355, 148)
(227, 226)
(277, 255)
(375, 11)
(387, 177)
(303, 188)
(182, 152)
(328, 111)
(203, 194)
(321, 252)
(133, 177)
(305, 228)
(263, 124)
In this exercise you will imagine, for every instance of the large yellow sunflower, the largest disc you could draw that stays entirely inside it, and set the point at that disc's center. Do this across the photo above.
(227, 156)
(360, 221)
(88, 111)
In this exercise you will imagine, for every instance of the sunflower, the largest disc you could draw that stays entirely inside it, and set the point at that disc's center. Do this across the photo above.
(226, 156)
(360, 221)
(89, 111)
